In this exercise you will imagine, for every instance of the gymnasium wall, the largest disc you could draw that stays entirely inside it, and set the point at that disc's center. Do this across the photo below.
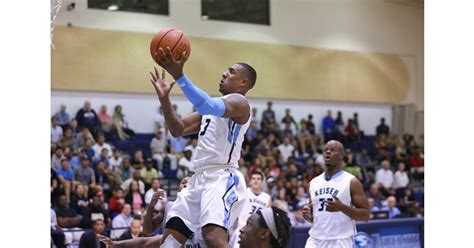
(381, 27)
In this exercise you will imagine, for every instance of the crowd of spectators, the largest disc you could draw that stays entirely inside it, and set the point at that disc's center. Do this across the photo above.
(95, 185)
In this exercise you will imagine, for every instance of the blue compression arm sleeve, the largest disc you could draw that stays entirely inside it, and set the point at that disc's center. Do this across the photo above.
(203, 103)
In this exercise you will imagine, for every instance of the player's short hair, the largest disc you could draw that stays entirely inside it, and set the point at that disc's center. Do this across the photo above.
(282, 224)
(250, 73)
(258, 173)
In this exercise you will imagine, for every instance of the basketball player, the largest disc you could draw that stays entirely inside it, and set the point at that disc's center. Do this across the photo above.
(256, 200)
(336, 199)
(216, 192)
(267, 228)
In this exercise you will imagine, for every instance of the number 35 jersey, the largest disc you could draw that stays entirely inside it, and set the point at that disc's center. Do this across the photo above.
(220, 141)
(252, 205)
(331, 225)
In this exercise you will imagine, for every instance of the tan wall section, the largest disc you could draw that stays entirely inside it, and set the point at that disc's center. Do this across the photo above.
(111, 61)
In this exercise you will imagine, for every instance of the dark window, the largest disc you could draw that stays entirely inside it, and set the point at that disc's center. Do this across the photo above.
(248, 11)
(160, 7)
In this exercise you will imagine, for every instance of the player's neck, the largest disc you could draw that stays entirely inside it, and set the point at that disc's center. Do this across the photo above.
(333, 170)
(256, 191)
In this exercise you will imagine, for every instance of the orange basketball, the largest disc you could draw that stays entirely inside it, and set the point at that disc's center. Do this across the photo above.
(175, 39)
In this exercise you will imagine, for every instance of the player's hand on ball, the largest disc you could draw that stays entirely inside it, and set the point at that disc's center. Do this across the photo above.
(156, 197)
(335, 205)
(164, 57)
(161, 87)
(106, 240)
(308, 212)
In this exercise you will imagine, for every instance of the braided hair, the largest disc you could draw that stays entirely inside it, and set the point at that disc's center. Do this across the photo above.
(282, 225)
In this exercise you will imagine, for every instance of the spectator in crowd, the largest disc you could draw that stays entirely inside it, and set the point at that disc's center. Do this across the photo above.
(74, 127)
(135, 198)
(178, 144)
(185, 164)
(105, 119)
(135, 231)
(400, 179)
(135, 177)
(87, 117)
(79, 201)
(192, 147)
(329, 126)
(63, 117)
(382, 128)
(268, 116)
(102, 177)
(148, 173)
(85, 175)
(103, 158)
(116, 160)
(95, 211)
(57, 235)
(363, 160)
(123, 220)
(351, 167)
(155, 187)
(66, 177)
(67, 140)
(57, 157)
(375, 194)
(384, 179)
(255, 116)
(121, 124)
(68, 219)
(372, 206)
(83, 135)
(252, 131)
(393, 211)
(158, 147)
(89, 239)
(88, 150)
(310, 126)
(160, 120)
(124, 172)
(281, 201)
(288, 118)
(408, 204)
(138, 161)
(116, 202)
(355, 121)
(417, 164)
(101, 144)
(286, 149)
(56, 130)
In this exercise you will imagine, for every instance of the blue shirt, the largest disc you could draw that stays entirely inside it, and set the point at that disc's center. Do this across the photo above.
(328, 124)
(179, 144)
(67, 174)
(391, 212)
(75, 162)
(63, 118)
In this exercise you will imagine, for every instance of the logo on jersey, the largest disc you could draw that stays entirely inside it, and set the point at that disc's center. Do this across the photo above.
(363, 240)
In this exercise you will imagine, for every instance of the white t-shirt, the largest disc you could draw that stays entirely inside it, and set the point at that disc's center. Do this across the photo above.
(98, 149)
(120, 221)
(286, 151)
(56, 133)
(186, 163)
(385, 177)
(115, 163)
(400, 180)
(149, 196)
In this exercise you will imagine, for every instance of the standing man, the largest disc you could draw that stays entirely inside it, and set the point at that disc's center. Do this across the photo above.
(216, 193)
(256, 200)
(336, 199)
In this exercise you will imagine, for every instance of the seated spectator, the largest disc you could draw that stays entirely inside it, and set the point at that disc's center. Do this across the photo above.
(66, 177)
(155, 187)
(252, 130)
(79, 201)
(351, 167)
(281, 202)
(178, 144)
(408, 204)
(363, 160)
(192, 147)
(95, 211)
(116, 160)
(63, 117)
(138, 161)
(375, 194)
(393, 211)
(87, 117)
(57, 157)
(292, 172)
(124, 173)
(74, 127)
(55, 191)
(372, 206)
(148, 173)
(134, 232)
(116, 202)
(124, 219)
(57, 237)
(417, 164)
(274, 168)
(89, 151)
(89, 239)
(384, 179)
(68, 219)
(286, 149)
(301, 198)
(121, 124)
(56, 130)
(105, 119)
(100, 145)
(185, 164)
(102, 177)
(158, 147)
(85, 175)
(135, 198)
(400, 179)
(67, 141)
(104, 154)
(76, 159)
(83, 135)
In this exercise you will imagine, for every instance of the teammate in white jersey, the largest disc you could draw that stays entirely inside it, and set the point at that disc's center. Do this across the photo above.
(256, 200)
(336, 200)
(216, 192)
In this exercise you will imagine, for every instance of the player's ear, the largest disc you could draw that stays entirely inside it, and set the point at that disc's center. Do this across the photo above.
(264, 233)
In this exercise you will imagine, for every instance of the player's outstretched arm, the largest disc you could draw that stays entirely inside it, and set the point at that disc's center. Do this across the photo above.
(176, 125)
(142, 242)
(360, 211)
(151, 221)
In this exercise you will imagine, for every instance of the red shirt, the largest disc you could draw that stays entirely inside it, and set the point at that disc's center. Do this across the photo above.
(115, 205)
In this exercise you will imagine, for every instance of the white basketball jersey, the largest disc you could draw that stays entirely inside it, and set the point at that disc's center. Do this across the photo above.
(220, 141)
(252, 205)
(331, 225)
